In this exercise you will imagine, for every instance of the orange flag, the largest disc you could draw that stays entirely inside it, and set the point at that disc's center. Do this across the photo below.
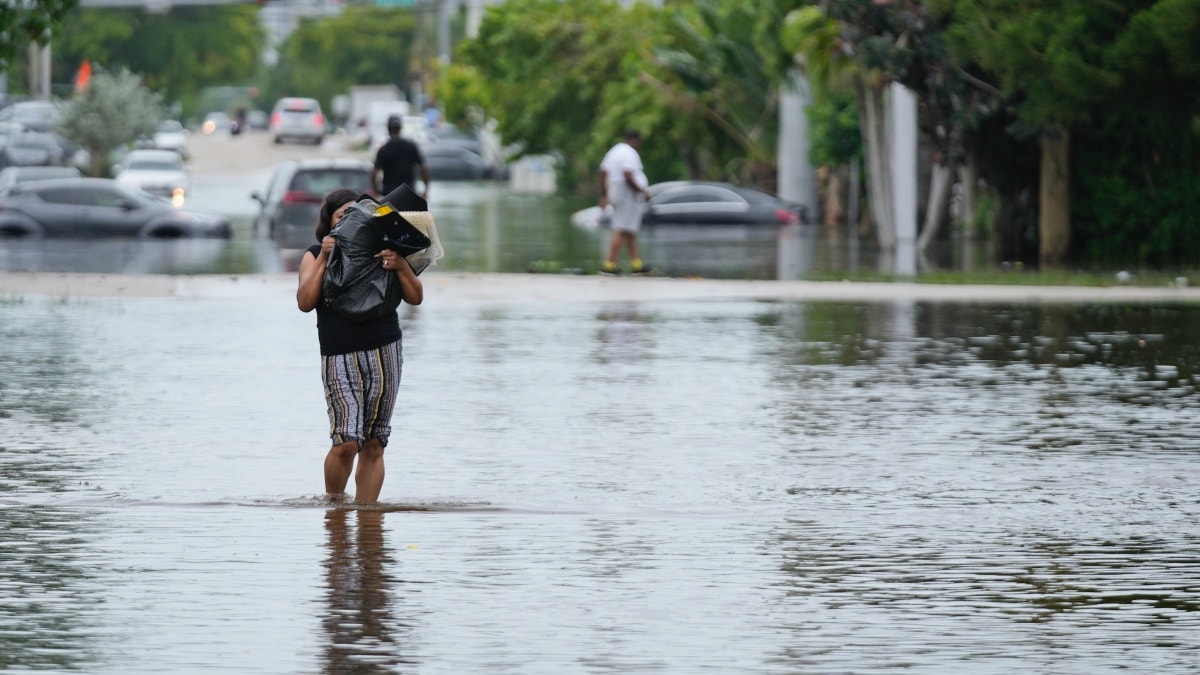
(83, 75)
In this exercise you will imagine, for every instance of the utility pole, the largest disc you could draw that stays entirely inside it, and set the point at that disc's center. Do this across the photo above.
(797, 179)
(39, 71)
(446, 11)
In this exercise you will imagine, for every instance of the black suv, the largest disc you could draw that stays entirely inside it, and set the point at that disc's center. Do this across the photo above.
(288, 211)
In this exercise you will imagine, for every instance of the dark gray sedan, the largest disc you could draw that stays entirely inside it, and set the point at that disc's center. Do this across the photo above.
(89, 208)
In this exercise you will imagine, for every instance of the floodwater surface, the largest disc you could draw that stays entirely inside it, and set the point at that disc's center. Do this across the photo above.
(675, 486)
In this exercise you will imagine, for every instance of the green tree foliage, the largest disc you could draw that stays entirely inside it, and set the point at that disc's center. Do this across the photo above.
(547, 64)
(1047, 57)
(363, 45)
(112, 111)
(178, 52)
(21, 22)
(1137, 193)
(697, 78)
(714, 69)
(462, 95)
(1138, 199)
(1090, 68)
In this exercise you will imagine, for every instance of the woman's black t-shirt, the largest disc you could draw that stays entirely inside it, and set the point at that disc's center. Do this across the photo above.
(341, 335)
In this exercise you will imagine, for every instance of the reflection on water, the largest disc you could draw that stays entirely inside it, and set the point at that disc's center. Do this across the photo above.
(676, 486)
(132, 256)
(362, 629)
(47, 594)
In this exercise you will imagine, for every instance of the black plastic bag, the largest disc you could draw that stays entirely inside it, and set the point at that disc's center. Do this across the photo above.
(355, 283)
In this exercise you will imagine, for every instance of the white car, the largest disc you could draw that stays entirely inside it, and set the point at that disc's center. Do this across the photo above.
(172, 136)
(159, 172)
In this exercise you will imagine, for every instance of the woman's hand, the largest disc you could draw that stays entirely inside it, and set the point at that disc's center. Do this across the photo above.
(312, 274)
(411, 288)
(389, 259)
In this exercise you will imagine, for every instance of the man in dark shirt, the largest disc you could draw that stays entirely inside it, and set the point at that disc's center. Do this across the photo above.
(396, 160)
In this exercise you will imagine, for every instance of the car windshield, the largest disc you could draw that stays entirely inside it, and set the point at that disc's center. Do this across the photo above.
(155, 165)
(170, 127)
(300, 106)
(687, 195)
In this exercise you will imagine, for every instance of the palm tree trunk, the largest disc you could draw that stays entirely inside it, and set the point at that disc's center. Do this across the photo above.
(939, 192)
(1054, 200)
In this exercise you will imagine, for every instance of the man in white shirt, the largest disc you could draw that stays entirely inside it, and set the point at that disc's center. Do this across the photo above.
(623, 185)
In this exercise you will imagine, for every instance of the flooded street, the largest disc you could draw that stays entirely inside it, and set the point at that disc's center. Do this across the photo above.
(594, 475)
(673, 485)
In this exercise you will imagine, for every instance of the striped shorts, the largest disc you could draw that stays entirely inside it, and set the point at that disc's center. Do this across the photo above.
(360, 392)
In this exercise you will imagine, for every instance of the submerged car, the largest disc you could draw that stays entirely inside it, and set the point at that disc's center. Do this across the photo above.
(704, 203)
(288, 210)
(85, 208)
(159, 172)
(449, 161)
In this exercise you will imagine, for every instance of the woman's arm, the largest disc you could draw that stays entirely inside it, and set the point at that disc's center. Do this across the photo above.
(312, 274)
(411, 288)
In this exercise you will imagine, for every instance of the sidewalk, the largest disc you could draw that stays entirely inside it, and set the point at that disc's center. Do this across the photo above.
(521, 288)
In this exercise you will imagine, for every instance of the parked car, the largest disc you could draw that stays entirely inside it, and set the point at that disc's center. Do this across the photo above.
(704, 203)
(171, 136)
(447, 134)
(86, 208)
(159, 172)
(10, 130)
(14, 175)
(34, 115)
(297, 119)
(32, 148)
(447, 161)
(288, 210)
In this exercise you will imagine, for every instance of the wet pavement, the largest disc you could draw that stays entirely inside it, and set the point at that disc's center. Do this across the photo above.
(605, 475)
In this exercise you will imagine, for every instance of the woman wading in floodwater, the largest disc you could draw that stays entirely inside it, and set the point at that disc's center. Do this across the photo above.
(360, 363)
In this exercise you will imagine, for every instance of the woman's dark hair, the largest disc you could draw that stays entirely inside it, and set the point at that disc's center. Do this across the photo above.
(333, 201)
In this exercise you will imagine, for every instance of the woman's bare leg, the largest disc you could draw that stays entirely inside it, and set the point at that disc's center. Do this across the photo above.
(338, 465)
(368, 477)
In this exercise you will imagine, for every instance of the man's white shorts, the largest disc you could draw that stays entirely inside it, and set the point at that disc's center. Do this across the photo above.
(627, 215)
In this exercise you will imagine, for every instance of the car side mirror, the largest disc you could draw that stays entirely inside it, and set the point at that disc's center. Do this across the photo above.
(128, 205)
(257, 196)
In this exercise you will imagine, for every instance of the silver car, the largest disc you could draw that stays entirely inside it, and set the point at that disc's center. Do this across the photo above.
(88, 208)
(299, 120)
